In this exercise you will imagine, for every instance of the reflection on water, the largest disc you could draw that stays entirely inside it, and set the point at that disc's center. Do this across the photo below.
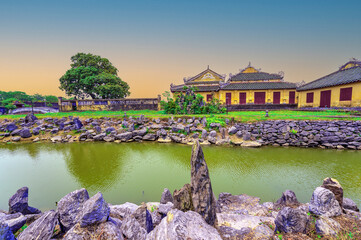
(138, 172)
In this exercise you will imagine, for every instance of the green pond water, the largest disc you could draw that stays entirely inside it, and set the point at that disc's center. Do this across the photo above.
(138, 172)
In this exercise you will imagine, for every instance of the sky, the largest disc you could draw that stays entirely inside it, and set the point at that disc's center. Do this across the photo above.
(154, 43)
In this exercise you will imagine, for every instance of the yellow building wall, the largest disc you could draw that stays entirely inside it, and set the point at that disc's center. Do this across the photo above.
(284, 98)
(335, 96)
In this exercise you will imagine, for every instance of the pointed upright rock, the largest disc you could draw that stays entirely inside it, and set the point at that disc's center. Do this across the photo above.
(202, 195)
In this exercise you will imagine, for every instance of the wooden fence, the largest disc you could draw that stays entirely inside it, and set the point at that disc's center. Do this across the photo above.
(124, 104)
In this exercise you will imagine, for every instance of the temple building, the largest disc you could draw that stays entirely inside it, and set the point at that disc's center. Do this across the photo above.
(338, 89)
(249, 87)
(207, 84)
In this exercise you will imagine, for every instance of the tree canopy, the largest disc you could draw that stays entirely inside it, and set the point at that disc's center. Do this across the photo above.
(93, 76)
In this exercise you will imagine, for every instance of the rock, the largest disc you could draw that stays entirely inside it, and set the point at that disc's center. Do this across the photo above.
(176, 139)
(335, 187)
(165, 208)
(212, 140)
(108, 139)
(240, 204)
(25, 133)
(164, 140)
(36, 139)
(98, 129)
(16, 132)
(14, 221)
(70, 206)
(123, 210)
(327, 226)
(95, 210)
(149, 137)
(19, 201)
(290, 220)
(238, 226)
(144, 218)
(180, 225)
(251, 144)
(5, 233)
(42, 228)
(140, 132)
(109, 130)
(246, 136)
(232, 130)
(99, 137)
(77, 123)
(30, 117)
(132, 230)
(166, 196)
(288, 199)
(182, 199)
(103, 231)
(203, 199)
(15, 139)
(204, 134)
(213, 134)
(350, 205)
(54, 131)
(324, 203)
(56, 139)
(11, 127)
(124, 136)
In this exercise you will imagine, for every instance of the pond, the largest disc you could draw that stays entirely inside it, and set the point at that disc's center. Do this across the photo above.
(138, 172)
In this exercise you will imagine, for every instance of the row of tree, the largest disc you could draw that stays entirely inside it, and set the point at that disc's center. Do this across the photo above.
(8, 99)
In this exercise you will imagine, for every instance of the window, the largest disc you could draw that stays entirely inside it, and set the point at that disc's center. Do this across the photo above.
(346, 94)
(209, 97)
(309, 98)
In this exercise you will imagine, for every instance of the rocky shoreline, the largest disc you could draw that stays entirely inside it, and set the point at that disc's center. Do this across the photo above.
(193, 212)
(321, 134)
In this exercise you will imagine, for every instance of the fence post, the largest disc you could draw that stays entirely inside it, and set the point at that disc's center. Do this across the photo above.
(159, 99)
(60, 100)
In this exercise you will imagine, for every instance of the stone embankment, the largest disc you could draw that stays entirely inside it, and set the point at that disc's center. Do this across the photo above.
(322, 134)
(193, 212)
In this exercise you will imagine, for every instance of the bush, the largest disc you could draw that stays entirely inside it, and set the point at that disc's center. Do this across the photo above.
(190, 103)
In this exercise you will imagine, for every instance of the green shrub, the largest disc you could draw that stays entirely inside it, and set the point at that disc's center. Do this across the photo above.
(190, 103)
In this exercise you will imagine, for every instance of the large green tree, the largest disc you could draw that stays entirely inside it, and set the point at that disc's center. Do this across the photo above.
(93, 76)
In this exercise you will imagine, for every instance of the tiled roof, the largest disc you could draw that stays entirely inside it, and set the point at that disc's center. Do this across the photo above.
(341, 77)
(201, 82)
(255, 76)
(259, 86)
(202, 73)
(200, 88)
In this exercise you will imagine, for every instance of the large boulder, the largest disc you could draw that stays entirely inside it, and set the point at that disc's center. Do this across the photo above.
(77, 123)
(132, 230)
(166, 196)
(29, 118)
(203, 199)
(95, 210)
(144, 218)
(324, 203)
(25, 133)
(327, 226)
(288, 198)
(19, 203)
(123, 210)
(182, 199)
(350, 205)
(335, 187)
(5, 232)
(239, 226)
(14, 221)
(70, 206)
(240, 204)
(124, 136)
(180, 225)
(42, 228)
(11, 127)
(291, 220)
(102, 231)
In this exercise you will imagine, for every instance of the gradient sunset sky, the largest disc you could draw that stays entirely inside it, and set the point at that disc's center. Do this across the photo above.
(156, 43)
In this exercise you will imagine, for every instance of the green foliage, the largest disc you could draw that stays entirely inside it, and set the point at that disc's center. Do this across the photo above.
(93, 76)
(293, 131)
(190, 103)
(9, 103)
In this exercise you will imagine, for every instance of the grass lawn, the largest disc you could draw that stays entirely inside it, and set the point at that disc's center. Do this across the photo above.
(242, 116)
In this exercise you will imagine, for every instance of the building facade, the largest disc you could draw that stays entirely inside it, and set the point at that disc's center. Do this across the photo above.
(338, 89)
(249, 87)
